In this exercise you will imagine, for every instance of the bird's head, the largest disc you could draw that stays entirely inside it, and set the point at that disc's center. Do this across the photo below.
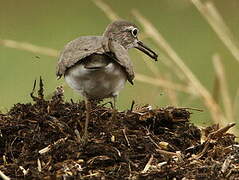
(126, 34)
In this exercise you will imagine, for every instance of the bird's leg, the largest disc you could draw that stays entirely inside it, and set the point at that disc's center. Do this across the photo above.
(88, 109)
(114, 107)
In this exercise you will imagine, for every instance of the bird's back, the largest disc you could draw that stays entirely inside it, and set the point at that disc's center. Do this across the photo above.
(80, 48)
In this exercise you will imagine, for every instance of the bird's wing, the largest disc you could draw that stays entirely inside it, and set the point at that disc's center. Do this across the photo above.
(78, 49)
(122, 57)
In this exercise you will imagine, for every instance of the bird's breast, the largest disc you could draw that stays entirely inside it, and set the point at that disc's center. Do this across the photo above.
(96, 79)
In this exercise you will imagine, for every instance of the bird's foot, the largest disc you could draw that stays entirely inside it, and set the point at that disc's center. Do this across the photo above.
(84, 140)
(114, 114)
(81, 139)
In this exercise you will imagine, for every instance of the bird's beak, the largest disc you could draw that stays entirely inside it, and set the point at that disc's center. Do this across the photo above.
(147, 50)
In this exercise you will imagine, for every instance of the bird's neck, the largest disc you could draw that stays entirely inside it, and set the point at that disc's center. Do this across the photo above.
(121, 42)
(119, 38)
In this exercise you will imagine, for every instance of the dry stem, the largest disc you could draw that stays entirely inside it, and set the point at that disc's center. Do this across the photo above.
(194, 82)
(214, 19)
(223, 88)
(29, 47)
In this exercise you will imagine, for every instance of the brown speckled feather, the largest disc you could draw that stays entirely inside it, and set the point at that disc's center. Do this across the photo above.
(122, 57)
(82, 47)
(78, 49)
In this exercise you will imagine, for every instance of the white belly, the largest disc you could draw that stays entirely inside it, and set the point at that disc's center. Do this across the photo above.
(99, 83)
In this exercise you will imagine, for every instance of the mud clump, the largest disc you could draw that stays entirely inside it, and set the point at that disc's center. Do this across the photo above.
(41, 140)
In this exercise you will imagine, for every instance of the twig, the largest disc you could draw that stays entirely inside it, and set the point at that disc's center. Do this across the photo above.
(212, 136)
(146, 168)
(24, 171)
(49, 147)
(4, 159)
(119, 154)
(217, 134)
(191, 108)
(11, 147)
(3, 176)
(154, 142)
(126, 138)
(39, 165)
(159, 165)
(132, 106)
(166, 153)
(130, 174)
(199, 155)
(41, 89)
(97, 174)
(226, 164)
(33, 90)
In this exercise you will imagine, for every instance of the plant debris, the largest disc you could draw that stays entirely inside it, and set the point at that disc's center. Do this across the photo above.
(42, 141)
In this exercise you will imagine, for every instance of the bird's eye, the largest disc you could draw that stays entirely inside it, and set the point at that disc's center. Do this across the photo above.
(134, 32)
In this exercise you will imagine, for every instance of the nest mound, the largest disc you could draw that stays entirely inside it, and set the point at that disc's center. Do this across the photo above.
(42, 141)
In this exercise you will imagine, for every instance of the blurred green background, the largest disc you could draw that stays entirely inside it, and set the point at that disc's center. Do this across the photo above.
(53, 23)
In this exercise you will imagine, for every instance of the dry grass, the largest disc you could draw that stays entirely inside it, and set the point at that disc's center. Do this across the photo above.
(223, 89)
(189, 82)
(214, 19)
(191, 79)
(28, 47)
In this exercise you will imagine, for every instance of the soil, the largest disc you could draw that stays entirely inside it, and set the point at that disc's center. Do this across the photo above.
(42, 140)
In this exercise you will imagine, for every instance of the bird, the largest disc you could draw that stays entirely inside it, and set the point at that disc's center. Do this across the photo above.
(97, 67)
